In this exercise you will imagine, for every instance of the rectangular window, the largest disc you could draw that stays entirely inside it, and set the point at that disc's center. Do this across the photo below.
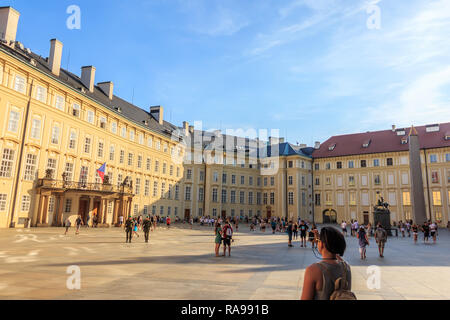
(76, 110)
(59, 103)
(130, 159)
(291, 198)
(317, 199)
(437, 198)
(214, 195)
(155, 189)
(112, 152)
(250, 181)
(68, 171)
(84, 174)
(242, 180)
(90, 116)
(72, 140)
(389, 162)
(200, 194)
(55, 135)
(291, 180)
(87, 145)
(177, 192)
(250, 198)
(188, 193)
(114, 127)
(224, 196)
(233, 197)
(7, 163)
(351, 180)
(434, 177)
(339, 165)
(122, 156)
(272, 198)
(376, 162)
(147, 188)
(406, 198)
(138, 186)
(41, 94)
(242, 197)
(13, 124)
(30, 167)
(433, 158)
(363, 163)
(20, 84)
(351, 164)
(139, 162)
(51, 165)
(156, 166)
(3, 202)
(68, 206)
(149, 164)
(36, 129)
(233, 179)
(25, 206)
(202, 176)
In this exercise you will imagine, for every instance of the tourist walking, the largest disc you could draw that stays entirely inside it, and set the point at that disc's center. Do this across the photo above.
(426, 232)
(314, 236)
(129, 224)
(274, 226)
(290, 230)
(295, 231)
(120, 221)
(408, 228)
(433, 231)
(78, 223)
(303, 229)
(168, 221)
(321, 279)
(67, 224)
(380, 238)
(146, 227)
(363, 242)
(218, 239)
(415, 230)
(344, 228)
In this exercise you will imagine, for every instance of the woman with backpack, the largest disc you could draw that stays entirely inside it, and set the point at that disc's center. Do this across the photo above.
(363, 242)
(331, 278)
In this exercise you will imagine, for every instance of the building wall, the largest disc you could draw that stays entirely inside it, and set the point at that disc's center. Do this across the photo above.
(40, 144)
(354, 201)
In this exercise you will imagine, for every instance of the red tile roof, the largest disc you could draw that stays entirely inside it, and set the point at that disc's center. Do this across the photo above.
(381, 141)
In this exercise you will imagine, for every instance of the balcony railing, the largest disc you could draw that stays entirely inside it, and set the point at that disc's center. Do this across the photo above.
(83, 186)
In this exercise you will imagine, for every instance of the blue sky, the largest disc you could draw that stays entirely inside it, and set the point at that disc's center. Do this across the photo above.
(310, 68)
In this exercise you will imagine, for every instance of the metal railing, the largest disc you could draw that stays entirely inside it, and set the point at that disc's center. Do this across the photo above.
(84, 186)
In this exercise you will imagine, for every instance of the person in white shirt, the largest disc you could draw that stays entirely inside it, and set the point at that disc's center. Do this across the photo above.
(344, 228)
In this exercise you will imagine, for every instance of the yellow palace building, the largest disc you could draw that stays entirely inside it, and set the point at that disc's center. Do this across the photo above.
(58, 129)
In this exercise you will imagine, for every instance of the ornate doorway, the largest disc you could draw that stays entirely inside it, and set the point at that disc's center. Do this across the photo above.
(329, 216)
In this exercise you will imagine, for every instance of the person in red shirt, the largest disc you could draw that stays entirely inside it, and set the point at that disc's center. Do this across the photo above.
(227, 235)
(168, 222)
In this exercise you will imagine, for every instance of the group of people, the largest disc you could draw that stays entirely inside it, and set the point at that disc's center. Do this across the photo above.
(223, 234)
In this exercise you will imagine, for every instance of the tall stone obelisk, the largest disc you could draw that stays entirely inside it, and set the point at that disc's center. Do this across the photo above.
(419, 213)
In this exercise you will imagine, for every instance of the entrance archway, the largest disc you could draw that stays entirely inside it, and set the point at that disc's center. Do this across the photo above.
(329, 216)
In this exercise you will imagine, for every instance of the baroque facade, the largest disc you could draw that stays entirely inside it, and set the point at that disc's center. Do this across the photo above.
(58, 128)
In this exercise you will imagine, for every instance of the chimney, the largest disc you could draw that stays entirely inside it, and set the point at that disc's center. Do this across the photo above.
(274, 140)
(394, 127)
(88, 77)
(186, 128)
(9, 20)
(317, 145)
(191, 129)
(158, 113)
(54, 59)
(107, 88)
(281, 140)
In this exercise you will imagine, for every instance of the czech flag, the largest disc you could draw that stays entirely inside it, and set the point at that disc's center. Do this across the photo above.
(101, 172)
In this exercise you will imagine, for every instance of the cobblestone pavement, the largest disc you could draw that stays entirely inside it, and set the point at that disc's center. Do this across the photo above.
(180, 264)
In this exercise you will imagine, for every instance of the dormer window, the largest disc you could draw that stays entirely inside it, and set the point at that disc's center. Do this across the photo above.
(447, 136)
(432, 128)
(366, 143)
(405, 140)
(401, 132)
(332, 147)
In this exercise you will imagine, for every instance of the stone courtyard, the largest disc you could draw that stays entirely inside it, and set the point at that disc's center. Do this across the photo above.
(179, 264)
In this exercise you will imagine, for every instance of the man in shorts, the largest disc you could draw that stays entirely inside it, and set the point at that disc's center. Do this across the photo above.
(303, 229)
(380, 238)
(227, 235)
(290, 229)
